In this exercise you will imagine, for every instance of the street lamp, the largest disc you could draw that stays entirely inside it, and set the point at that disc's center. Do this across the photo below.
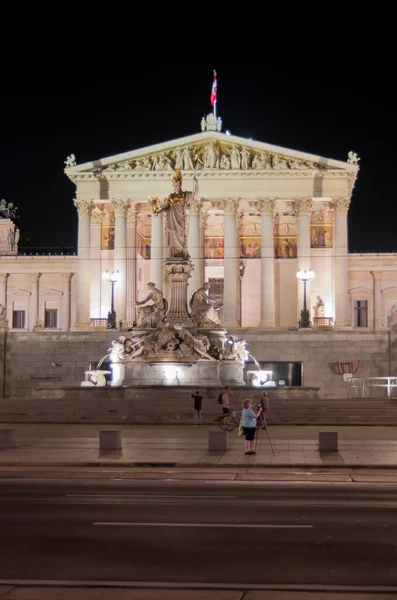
(305, 276)
(112, 277)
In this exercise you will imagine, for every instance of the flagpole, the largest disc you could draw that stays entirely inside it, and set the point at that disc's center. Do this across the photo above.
(216, 83)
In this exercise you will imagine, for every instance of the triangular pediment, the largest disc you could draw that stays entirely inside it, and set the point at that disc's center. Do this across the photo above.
(52, 292)
(210, 151)
(21, 293)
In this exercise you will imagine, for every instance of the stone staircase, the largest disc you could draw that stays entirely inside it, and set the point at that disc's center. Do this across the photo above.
(156, 406)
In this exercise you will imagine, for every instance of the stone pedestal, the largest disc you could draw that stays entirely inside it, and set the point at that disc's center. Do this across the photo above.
(232, 373)
(172, 373)
(178, 271)
(6, 438)
(328, 441)
(110, 439)
(218, 441)
(7, 237)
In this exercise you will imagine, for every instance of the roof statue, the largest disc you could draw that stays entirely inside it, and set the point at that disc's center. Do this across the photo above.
(7, 210)
(70, 161)
(352, 159)
(211, 123)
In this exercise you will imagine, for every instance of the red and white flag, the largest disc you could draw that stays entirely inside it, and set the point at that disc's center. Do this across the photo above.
(214, 90)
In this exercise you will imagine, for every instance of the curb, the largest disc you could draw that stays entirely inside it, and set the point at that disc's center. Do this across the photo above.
(169, 465)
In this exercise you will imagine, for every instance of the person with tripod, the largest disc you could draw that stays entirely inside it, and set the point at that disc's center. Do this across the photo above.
(248, 423)
(264, 403)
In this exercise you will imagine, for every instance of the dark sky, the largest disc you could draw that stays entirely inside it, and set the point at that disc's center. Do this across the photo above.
(320, 103)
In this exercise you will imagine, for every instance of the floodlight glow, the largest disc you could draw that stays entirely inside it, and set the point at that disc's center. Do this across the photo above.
(305, 275)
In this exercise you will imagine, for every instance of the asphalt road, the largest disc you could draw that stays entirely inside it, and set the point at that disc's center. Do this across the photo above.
(222, 532)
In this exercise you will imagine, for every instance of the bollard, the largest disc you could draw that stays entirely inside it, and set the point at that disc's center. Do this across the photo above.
(218, 440)
(110, 439)
(6, 438)
(328, 441)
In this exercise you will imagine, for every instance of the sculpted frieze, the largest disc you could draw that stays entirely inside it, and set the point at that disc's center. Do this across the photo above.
(213, 155)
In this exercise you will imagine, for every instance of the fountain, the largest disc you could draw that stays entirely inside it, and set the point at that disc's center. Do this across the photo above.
(171, 346)
(259, 377)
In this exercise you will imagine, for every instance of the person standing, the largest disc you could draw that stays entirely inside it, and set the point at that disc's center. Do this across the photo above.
(248, 423)
(197, 397)
(226, 396)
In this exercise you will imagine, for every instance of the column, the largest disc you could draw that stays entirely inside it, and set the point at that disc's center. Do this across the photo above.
(201, 262)
(268, 312)
(377, 314)
(120, 258)
(34, 300)
(303, 208)
(84, 208)
(132, 218)
(341, 274)
(193, 241)
(96, 275)
(3, 289)
(67, 277)
(230, 262)
(156, 254)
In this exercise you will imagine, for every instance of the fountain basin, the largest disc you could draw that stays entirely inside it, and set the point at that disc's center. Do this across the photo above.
(172, 373)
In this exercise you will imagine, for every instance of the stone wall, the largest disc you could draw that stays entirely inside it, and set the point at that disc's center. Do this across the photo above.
(59, 359)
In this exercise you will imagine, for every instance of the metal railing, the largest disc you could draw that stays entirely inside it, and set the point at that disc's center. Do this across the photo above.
(99, 323)
(323, 321)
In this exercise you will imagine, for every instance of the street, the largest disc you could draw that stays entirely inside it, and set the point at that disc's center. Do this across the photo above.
(198, 531)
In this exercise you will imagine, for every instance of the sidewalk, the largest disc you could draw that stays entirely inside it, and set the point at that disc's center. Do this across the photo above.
(124, 591)
(187, 446)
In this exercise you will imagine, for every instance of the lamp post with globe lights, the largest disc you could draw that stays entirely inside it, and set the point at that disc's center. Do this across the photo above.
(305, 276)
(112, 278)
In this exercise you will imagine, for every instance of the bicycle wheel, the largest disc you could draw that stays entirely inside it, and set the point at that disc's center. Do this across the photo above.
(227, 423)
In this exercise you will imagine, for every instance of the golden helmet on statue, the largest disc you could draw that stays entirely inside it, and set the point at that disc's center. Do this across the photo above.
(177, 176)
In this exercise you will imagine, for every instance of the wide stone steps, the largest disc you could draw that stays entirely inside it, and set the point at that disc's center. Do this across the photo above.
(147, 409)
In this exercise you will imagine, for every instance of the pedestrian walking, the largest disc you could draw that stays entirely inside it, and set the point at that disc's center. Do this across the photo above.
(248, 423)
(197, 397)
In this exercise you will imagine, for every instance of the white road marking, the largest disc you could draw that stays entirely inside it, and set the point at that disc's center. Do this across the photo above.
(211, 525)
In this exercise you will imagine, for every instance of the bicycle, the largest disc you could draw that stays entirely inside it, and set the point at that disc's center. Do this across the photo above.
(230, 421)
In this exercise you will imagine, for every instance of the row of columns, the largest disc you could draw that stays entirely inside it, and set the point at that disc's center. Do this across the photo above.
(125, 257)
(34, 300)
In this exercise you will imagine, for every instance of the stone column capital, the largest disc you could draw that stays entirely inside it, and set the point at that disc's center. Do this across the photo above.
(377, 275)
(66, 277)
(34, 277)
(96, 217)
(341, 205)
(303, 206)
(266, 205)
(121, 206)
(195, 206)
(84, 207)
(132, 214)
(230, 205)
(4, 277)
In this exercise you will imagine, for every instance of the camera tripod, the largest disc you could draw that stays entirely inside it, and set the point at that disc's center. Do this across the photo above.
(262, 424)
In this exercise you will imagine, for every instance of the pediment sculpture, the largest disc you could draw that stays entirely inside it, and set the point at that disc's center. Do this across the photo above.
(213, 154)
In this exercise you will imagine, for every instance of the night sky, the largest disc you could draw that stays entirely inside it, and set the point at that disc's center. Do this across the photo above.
(325, 105)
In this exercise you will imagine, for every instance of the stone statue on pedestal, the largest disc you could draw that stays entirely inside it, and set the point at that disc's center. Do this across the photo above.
(319, 309)
(7, 211)
(203, 311)
(176, 206)
(152, 315)
(393, 315)
(3, 317)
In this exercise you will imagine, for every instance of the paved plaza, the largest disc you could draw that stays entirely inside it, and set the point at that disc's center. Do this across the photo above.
(39, 444)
